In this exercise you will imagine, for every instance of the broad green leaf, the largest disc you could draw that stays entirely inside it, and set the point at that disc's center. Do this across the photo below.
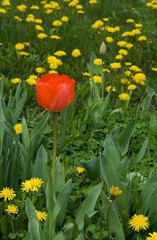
(142, 150)
(60, 178)
(110, 151)
(40, 169)
(33, 227)
(87, 205)
(7, 126)
(67, 231)
(30, 209)
(110, 178)
(125, 137)
(114, 223)
(25, 134)
(63, 198)
(38, 129)
(20, 106)
(1, 88)
(147, 100)
(18, 92)
(80, 237)
(93, 167)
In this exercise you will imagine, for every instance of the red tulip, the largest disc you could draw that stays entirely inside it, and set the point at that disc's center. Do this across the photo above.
(55, 92)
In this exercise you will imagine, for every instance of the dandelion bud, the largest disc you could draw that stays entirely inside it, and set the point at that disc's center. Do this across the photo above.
(103, 48)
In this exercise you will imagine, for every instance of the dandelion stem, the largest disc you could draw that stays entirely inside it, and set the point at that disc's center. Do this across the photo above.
(12, 224)
(107, 216)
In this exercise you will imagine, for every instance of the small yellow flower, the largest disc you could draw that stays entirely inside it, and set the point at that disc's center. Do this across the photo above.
(16, 80)
(19, 46)
(86, 74)
(132, 87)
(139, 222)
(60, 53)
(97, 79)
(39, 28)
(152, 236)
(105, 19)
(42, 35)
(12, 209)
(18, 128)
(115, 191)
(119, 57)
(41, 215)
(130, 20)
(98, 61)
(64, 19)
(124, 97)
(142, 38)
(123, 52)
(80, 170)
(36, 183)
(55, 37)
(57, 23)
(22, 8)
(2, 10)
(140, 78)
(23, 53)
(121, 43)
(26, 186)
(31, 81)
(109, 39)
(115, 65)
(108, 89)
(18, 18)
(76, 53)
(39, 21)
(40, 70)
(7, 193)
(154, 69)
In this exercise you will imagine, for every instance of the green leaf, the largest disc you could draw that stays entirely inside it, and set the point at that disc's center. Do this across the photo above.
(87, 205)
(147, 100)
(12, 235)
(67, 231)
(25, 134)
(114, 223)
(93, 167)
(30, 209)
(40, 169)
(110, 151)
(7, 126)
(80, 237)
(142, 150)
(33, 227)
(109, 176)
(125, 137)
(60, 178)
(63, 198)
(20, 106)
(18, 92)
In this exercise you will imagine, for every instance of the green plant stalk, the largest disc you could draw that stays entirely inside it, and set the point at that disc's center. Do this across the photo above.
(54, 146)
(12, 225)
(107, 216)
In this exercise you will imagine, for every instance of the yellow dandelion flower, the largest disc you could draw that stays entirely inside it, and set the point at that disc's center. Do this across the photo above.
(130, 20)
(35, 7)
(7, 193)
(39, 28)
(39, 21)
(124, 97)
(60, 53)
(26, 186)
(123, 52)
(98, 62)
(139, 222)
(18, 128)
(142, 38)
(53, 71)
(55, 37)
(31, 81)
(121, 43)
(140, 78)
(41, 215)
(97, 79)
(128, 63)
(132, 87)
(76, 53)
(152, 236)
(57, 23)
(109, 87)
(12, 209)
(119, 57)
(80, 170)
(127, 73)
(86, 74)
(115, 65)
(109, 39)
(64, 19)
(98, 24)
(16, 80)
(40, 70)
(105, 19)
(36, 183)
(22, 8)
(22, 53)
(18, 18)
(19, 46)
(115, 191)
(138, 25)
(135, 68)
(129, 45)
(93, 2)
(154, 69)
(42, 35)
(125, 81)
(3, 11)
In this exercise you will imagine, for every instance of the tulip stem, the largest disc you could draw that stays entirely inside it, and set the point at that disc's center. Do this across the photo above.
(54, 146)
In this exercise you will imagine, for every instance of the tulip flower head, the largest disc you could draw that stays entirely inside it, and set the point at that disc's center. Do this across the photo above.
(55, 92)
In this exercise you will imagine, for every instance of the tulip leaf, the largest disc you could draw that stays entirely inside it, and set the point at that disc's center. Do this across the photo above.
(142, 150)
(60, 178)
(25, 134)
(63, 198)
(39, 169)
(93, 167)
(147, 100)
(20, 105)
(33, 227)
(125, 137)
(80, 237)
(114, 223)
(109, 176)
(87, 205)
(110, 151)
